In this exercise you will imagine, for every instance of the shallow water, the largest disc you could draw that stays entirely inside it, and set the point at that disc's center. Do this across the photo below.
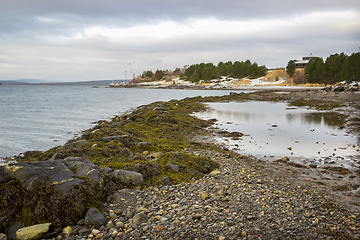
(274, 130)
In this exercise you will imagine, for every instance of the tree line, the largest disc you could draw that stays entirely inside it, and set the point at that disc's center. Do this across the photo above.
(336, 68)
(209, 71)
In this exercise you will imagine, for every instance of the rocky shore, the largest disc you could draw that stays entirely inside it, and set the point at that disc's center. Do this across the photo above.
(243, 199)
(181, 187)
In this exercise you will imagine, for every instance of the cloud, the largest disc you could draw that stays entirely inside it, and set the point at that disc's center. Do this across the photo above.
(79, 40)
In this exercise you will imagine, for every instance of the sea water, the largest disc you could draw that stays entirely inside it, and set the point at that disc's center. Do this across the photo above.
(41, 117)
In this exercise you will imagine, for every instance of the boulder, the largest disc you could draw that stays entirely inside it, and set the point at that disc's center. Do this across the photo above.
(94, 218)
(107, 170)
(33, 232)
(73, 145)
(30, 174)
(140, 218)
(127, 177)
(83, 167)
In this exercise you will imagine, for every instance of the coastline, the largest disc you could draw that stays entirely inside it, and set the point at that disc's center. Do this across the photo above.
(243, 197)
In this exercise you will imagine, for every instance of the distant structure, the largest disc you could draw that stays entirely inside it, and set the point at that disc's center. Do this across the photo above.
(305, 60)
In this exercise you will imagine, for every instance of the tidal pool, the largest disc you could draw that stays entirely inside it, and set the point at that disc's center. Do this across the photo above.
(275, 130)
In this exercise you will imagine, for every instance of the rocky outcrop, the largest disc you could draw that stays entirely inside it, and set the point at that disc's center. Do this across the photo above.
(33, 232)
(342, 86)
(128, 177)
(30, 174)
(56, 191)
(63, 174)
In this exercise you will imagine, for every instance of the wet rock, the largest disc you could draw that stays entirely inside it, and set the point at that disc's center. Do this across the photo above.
(338, 88)
(107, 170)
(127, 177)
(83, 167)
(147, 170)
(94, 218)
(56, 156)
(73, 145)
(173, 167)
(33, 232)
(128, 141)
(12, 230)
(31, 174)
(313, 165)
(2, 175)
(165, 180)
(142, 146)
(140, 218)
(111, 138)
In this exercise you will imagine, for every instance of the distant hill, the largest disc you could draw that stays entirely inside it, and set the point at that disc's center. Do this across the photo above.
(22, 81)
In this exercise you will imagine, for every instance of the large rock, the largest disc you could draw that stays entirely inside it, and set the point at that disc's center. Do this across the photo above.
(32, 232)
(83, 167)
(94, 218)
(30, 174)
(63, 174)
(127, 177)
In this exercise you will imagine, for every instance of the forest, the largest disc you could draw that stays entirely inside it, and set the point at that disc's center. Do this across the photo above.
(336, 68)
(209, 71)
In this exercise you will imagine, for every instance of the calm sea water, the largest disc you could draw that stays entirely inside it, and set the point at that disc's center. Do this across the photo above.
(273, 130)
(41, 117)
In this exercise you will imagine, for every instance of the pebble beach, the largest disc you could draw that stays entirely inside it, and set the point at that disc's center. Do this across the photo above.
(243, 199)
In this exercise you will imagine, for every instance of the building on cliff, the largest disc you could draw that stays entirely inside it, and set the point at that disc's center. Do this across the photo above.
(302, 63)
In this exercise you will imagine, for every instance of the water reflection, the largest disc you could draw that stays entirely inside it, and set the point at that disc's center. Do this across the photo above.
(328, 118)
(272, 128)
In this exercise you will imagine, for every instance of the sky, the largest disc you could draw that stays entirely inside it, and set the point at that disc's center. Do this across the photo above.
(75, 40)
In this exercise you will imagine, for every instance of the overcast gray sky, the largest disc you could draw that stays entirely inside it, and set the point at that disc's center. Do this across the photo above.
(72, 40)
